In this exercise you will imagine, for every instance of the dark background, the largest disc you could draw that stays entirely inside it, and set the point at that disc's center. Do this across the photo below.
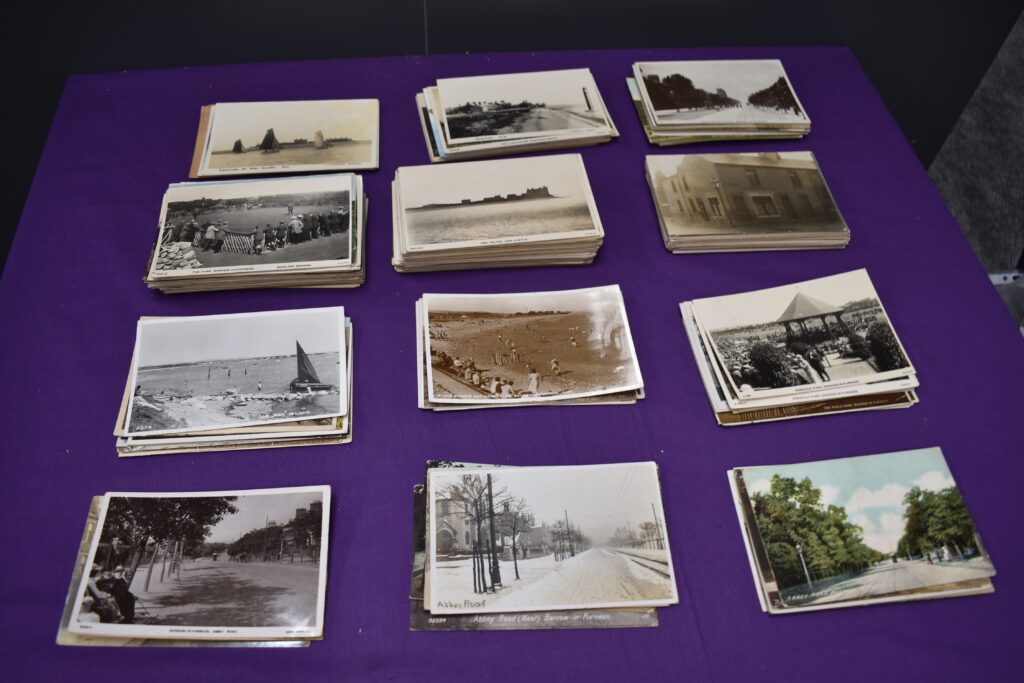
(924, 57)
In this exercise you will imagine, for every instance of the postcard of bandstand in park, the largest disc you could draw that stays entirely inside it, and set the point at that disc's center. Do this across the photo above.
(879, 528)
(199, 374)
(245, 227)
(807, 341)
(246, 138)
(528, 539)
(532, 347)
(244, 565)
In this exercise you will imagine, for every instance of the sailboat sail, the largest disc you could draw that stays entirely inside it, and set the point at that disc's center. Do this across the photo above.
(306, 371)
(270, 142)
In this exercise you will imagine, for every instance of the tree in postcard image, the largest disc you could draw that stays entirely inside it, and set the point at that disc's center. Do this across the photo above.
(934, 519)
(474, 499)
(141, 523)
(678, 92)
(791, 516)
(776, 96)
(514, 518)
(273, 542)
(885, 348)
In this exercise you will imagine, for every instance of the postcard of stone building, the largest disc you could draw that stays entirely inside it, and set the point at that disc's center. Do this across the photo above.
(187, 565)
(525, 347)
(201, 373)
(717, 93)
(745, 193)
(521, 105)
(878, 528)
(246, 138)
(496, 203)
(530, 539)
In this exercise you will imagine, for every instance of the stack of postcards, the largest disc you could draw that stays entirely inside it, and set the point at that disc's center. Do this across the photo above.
(182, 570)
(856, 531)
(693, 101)
(812, 348)
(744, 202)
(533, 211)
(537, 348)
(240, 381)
(303, 231)
(481, 116)
(512, 548)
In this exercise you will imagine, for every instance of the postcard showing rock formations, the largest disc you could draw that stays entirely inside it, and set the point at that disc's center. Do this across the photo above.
(542, 538)
(478, 203)
(218, 565)
(212, 372)
(719, 92)
(522, 105)
(884, 527)
(245, 138)
(528, 347)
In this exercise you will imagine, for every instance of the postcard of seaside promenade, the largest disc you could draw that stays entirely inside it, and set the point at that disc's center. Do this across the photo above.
(211, 372)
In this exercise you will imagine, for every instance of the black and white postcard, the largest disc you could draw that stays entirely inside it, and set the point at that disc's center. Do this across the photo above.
(528, 347)
(719, 93)
(546, 538)
(483, 203)
(201, 373)
(244, 138)
(272, 225)
(854, 531)
(219, 565)
(742, 194)
(521, 105)
(828, 332)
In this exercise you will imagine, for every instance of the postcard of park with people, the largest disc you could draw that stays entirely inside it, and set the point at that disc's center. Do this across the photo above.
(833, 533)
(528, 539)
(218, 565)
(245, 138)
(717, 93)
(528, 347)
(496, 202)
(247, 226)
(827, 332)
(521, 105)
(201, 373)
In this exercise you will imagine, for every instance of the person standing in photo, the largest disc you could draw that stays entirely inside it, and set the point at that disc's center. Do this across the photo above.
(209, 237)
(221, 235)
(534, 381)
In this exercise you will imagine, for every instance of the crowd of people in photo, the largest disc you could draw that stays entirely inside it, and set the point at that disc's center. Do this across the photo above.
(491, 383)
(808, 363)
(210, 236)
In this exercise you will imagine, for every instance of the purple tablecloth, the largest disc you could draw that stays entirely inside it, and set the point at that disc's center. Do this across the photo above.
(73, 291)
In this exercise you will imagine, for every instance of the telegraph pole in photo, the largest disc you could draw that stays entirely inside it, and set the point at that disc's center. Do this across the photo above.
(568, 535)
(495, 568)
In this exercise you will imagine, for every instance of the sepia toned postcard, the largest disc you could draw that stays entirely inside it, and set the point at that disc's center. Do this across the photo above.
(247, 138)
(227, 371)
(562, 538)
(719, 93)
(187, 565)
(528, 347)
(856, 531)
(496, 203)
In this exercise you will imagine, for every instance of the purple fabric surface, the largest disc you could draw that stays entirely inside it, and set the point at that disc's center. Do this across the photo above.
(72, 293)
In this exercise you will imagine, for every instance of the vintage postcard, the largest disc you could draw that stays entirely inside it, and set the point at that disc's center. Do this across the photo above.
(529, 539)
(211, 372)
(528, 347)
(520, 105)
(244, 138)
(820, 333)
(250, 226)
(714, 93)
(219, 565)
(745, 194)
(499, 202)
(876, 528)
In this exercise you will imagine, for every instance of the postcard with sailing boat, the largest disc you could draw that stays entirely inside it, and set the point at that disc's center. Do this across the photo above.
(212, 372)
(245, 138)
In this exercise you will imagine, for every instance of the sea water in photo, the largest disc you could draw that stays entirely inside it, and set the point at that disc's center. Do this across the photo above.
(485, 221)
